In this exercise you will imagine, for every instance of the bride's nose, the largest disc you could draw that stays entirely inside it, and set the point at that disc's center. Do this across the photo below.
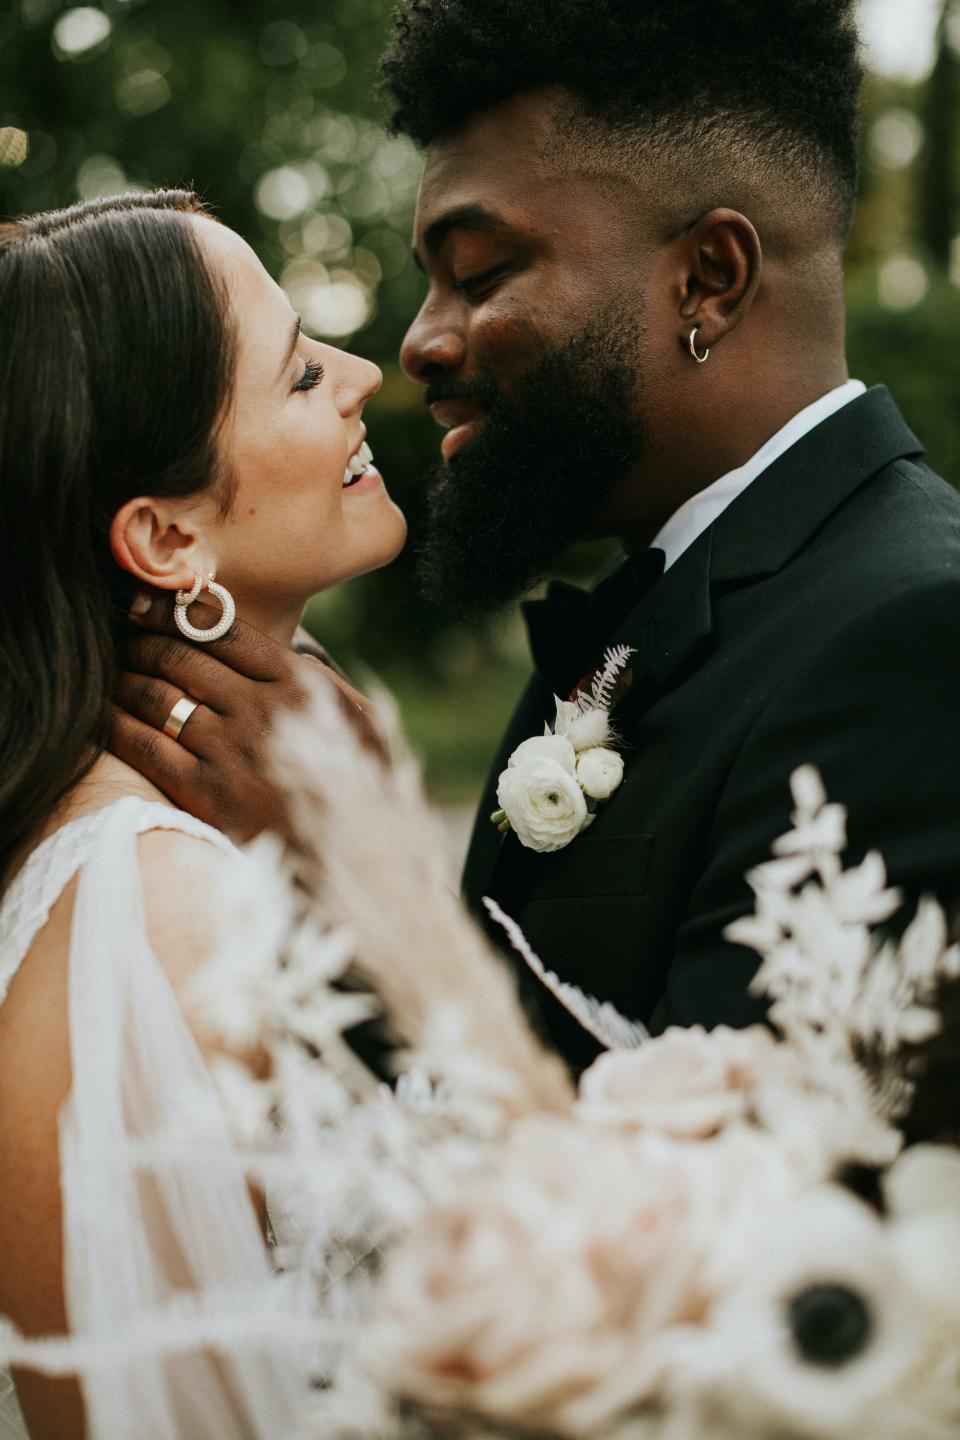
(359, 379)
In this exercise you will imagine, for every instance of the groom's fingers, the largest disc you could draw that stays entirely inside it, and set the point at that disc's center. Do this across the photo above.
(219, 767)
(162, 761)
(189, 669)
(152, 701)
(233, 797)
(243, 649)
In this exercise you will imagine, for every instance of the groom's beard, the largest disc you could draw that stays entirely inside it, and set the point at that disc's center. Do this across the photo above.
(538, 475)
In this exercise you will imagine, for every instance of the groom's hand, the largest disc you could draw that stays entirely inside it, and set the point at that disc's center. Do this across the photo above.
(217, 767)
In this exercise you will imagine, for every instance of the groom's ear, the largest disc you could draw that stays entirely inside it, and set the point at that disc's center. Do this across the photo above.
(158, 545)
(722, 263)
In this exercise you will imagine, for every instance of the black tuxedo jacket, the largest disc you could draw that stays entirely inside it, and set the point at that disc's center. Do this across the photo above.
(817, 620)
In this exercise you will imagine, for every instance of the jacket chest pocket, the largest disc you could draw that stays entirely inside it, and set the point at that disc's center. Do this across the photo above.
(601, 866)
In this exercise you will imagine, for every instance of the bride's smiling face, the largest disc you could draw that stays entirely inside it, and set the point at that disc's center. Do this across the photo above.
(287, 443)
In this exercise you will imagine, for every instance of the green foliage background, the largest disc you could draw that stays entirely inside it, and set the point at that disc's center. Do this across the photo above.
(267, 107)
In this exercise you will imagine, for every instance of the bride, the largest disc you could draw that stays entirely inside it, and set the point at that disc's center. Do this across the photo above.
(163, 421)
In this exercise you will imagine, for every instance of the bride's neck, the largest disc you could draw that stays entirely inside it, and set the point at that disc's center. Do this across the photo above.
(279, 621)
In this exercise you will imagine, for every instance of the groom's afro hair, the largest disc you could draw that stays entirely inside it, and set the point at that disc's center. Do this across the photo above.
(776, 80)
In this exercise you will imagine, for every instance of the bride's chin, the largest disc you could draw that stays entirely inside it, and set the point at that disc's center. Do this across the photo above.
(383, 542)
(380, 547)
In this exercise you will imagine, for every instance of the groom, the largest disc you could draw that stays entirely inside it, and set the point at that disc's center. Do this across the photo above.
(632, 223)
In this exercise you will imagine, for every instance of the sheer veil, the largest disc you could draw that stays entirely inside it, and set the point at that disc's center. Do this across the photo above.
(160, 1236)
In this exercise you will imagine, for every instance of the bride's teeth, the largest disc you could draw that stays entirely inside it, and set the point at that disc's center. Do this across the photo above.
(366, 454)
(356, 464)
(348, 477)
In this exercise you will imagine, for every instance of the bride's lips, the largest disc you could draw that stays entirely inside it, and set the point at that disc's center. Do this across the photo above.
(361, 474)
(371, 479)
(462, 419)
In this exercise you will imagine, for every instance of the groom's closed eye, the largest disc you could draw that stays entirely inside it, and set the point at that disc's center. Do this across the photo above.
(477, 287)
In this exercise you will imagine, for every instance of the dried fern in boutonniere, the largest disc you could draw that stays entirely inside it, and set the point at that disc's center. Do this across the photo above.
(554, 782)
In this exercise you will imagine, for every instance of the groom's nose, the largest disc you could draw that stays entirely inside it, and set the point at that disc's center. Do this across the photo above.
(432, 347)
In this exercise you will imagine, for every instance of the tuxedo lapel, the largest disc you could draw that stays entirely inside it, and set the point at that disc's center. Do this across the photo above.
(759, 534)
(670, 624)
(785, 506)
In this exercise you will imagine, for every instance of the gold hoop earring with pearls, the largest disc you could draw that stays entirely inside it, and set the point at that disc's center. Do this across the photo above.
(700, 359)
(185, 599)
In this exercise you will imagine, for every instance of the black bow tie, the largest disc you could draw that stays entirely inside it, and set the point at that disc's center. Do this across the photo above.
(570, 628)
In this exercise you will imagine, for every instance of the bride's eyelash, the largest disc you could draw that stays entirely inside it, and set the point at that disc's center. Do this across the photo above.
(311, 376)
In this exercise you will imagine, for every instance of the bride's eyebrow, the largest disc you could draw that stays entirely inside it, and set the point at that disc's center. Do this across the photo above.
(292, 344)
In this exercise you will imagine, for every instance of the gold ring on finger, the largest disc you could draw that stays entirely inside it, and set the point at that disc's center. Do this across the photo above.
(178, 717)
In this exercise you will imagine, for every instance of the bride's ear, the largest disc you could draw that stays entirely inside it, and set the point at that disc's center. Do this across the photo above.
(159, 545)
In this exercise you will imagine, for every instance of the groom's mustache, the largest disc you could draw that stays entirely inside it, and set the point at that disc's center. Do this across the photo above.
(481, 389)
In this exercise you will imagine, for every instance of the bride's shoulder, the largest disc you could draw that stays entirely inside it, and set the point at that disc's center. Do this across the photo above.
(144, 863)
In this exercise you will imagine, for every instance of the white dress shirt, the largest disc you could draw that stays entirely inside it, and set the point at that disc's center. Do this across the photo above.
(689, 522)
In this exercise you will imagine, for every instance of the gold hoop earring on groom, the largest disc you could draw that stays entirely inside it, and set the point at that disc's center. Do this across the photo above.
(700, 359)
(185, 599)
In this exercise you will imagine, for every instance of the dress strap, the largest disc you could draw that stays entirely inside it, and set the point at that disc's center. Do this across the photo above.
(49, 868)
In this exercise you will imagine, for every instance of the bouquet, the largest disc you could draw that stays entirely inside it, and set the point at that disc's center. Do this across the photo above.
(710, 1235)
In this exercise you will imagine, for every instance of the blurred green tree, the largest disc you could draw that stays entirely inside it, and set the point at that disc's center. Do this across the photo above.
(937, 190)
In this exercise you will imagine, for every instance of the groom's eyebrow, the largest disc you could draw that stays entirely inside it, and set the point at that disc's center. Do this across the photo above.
(461, 217)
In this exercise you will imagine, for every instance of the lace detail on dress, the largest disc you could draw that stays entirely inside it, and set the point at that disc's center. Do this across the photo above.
(49, 869)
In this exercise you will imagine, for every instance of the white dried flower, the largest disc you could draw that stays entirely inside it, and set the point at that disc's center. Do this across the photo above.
(600, 772)
(583, 727)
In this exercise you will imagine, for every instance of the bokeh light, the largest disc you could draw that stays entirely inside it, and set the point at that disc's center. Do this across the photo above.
(282, 43)
(332, 303)
(896, 138)
(80, 31)
(289, 190)
(143, 92)
(101, 175)
(14, 145)
(899, 36)
(902, 282)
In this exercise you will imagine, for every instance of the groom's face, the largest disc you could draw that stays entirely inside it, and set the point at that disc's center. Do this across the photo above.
(531, 346)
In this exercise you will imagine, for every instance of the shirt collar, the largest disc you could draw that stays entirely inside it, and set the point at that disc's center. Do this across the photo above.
(689, 522)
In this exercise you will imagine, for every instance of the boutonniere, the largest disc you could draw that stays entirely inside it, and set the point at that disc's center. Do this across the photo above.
(554, 782)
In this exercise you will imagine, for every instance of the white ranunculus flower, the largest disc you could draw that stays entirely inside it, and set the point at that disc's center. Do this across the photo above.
(599, 771)
(687, 1082)
(543, 802)
(546, 747)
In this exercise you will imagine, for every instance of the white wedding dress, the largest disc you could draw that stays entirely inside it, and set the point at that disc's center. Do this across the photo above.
(146, 1232)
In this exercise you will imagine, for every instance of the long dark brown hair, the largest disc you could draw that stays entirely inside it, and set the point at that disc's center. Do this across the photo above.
(116, 359)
